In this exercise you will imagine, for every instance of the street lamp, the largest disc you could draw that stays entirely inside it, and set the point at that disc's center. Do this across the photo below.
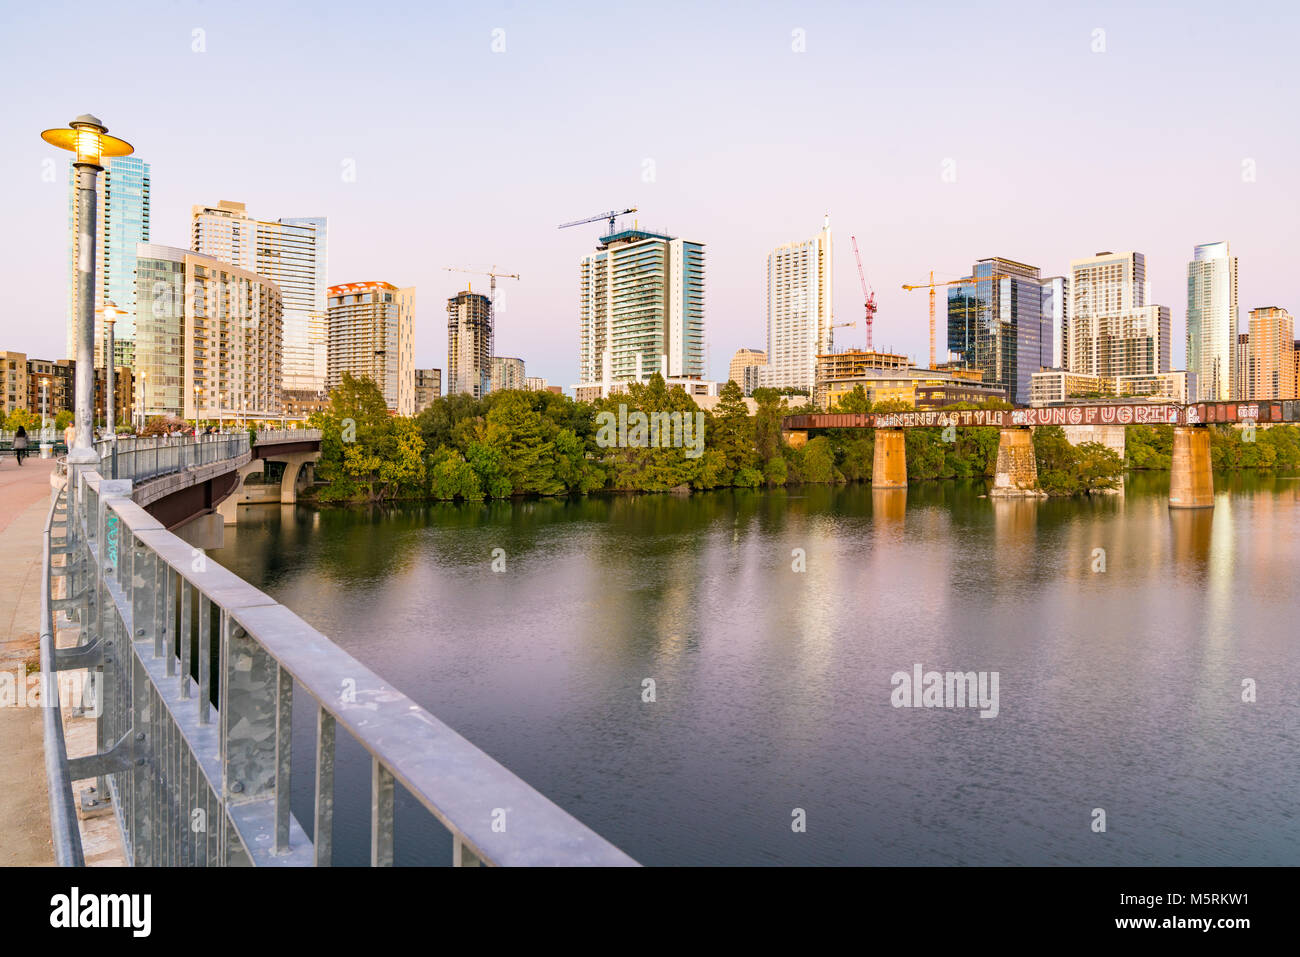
(88, 138)
(144, 398)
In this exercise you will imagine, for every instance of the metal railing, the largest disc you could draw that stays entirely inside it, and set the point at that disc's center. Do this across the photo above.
(288, 435)
(198, 672)
(63, 811)
(144, 457)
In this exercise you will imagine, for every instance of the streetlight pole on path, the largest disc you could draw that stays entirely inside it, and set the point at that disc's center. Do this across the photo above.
(88, 138)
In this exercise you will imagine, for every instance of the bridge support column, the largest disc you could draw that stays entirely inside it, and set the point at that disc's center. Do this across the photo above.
(228, 507)
(795, 438)
(1191, 479)
(889, 466)
(1017, 468)
(292, 467)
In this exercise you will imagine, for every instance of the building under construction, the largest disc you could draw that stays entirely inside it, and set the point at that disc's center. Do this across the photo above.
(889, 376)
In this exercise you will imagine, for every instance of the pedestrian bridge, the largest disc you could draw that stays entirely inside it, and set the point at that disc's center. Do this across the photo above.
(194, 679)
(178, 479)
(1191, 475)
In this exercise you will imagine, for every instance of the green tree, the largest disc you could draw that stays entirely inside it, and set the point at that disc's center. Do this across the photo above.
(855, 401)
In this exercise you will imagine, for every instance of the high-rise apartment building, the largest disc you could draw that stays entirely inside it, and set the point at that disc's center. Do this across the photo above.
(428, 387)
(51, 386)
(122, 216)
(1112, 331)
(372, 336)
(293, 254)
(209, 336)
(469, 344)
(506, 373)
(799, 311)
(1003, 326)
(641, 311)
(743, 360)
(1056, 313)
(1271, 346)
(1212, 322)
(13, 381)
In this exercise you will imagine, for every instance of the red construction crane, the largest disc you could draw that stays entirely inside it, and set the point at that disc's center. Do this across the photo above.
(868, 294)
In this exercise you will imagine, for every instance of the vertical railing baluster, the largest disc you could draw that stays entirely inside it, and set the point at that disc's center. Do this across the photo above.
(185, 635)
(171, 617)
(205, 659)
(283, 750)
(323, 844)
(381, 816)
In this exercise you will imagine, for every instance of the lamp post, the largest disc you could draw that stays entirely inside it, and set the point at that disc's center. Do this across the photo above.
(111, 312)
(144, 385)
(88, 138)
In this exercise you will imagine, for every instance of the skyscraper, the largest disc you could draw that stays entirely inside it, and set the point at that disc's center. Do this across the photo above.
(469, 344)
(744, 368)
(641, 310)
(428, 387)
(1271, 345)
(123, 223)
(292, 253)
(1212, 322)
(1112, 332)
(799, 311)
(506, 373)
(372, 336)
(1003, 327)
(208, 337)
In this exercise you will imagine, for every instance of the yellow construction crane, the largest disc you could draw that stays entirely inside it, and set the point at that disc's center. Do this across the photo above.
(952, 282)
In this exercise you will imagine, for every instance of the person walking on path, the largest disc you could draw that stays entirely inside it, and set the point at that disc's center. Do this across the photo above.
(20, 444)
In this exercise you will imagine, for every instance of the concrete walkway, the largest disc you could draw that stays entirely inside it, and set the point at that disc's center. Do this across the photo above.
(24, 803)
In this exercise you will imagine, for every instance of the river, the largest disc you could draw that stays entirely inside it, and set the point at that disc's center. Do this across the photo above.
(1121, 634)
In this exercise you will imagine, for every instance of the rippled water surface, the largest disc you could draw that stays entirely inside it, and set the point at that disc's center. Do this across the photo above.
(1118, 689)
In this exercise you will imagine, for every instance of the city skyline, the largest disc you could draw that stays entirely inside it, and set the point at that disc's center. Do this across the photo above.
(935, 198)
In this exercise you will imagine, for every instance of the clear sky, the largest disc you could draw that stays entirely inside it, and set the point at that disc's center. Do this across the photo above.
(465, 155)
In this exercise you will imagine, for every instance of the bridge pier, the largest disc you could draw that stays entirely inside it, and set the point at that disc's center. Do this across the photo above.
(228, 507)
(293, 464)
(889, 465)
(1191, 479)
(795, 438)
(1017, 468)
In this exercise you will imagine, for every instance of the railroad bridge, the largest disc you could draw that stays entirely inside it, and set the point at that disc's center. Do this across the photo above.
(1191, 478)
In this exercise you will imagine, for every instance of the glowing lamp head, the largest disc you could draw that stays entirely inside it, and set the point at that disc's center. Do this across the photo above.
(88, 138)
(111, 312)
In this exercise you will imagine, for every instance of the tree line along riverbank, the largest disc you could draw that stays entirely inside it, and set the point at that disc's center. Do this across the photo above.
(514, 443)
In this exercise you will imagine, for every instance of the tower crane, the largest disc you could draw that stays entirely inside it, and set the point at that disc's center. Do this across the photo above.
(952, 282)
(612, 215)
(868, 294)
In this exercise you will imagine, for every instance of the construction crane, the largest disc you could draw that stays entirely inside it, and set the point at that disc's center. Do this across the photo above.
(492, 296)
(952, 282)
(612, 215)
(868, 294)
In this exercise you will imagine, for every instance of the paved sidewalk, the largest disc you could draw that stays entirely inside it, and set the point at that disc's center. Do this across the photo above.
(24, 803)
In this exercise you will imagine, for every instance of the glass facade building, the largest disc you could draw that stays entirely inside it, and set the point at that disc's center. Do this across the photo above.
(123, 223)
(1212, 322)
(292, 253)
(641, 309)
(1002, 323)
